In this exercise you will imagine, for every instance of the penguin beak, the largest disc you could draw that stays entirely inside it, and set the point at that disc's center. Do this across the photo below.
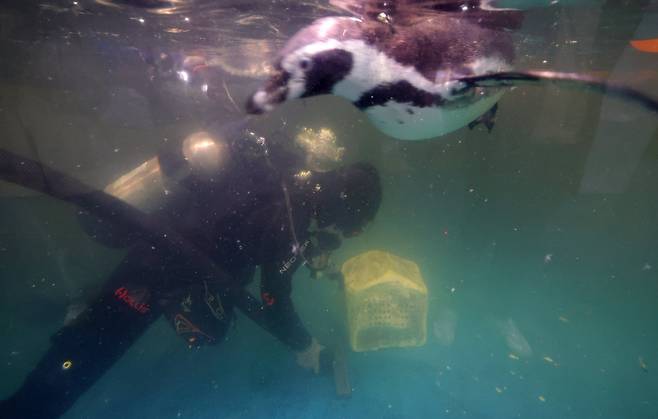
(274, 92)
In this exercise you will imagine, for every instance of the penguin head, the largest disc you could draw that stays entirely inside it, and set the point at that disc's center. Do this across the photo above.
(310, 64)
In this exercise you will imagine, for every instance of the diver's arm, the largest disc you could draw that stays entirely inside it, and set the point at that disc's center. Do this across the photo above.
(283, 321)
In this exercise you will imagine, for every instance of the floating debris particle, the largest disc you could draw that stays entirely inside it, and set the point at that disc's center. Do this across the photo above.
(563, 319)
(176, 30)
(542, 399)
(551, 361)
(513, 356)
(444, 327)
(643, 364)
(515, 340)
(499, 390)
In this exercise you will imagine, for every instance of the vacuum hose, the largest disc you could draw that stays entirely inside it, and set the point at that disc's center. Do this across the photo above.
(125, 220)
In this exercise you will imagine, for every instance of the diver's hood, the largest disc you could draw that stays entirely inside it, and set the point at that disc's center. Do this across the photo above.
(348, 198)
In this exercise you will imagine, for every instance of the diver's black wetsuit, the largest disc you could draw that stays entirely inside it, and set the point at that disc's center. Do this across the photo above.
(241, 220)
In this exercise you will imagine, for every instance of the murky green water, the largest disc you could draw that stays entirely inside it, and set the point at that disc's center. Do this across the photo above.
(537, 241)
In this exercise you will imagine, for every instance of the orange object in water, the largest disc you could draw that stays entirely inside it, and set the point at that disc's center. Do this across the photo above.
(646, 45)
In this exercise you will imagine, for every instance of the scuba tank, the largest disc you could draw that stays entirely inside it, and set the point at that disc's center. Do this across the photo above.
(164, 185)
(153, 182)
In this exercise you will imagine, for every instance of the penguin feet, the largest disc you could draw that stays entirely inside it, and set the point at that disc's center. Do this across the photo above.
(488, 119)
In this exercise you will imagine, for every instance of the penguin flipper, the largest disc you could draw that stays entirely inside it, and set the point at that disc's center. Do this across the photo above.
(578, 80)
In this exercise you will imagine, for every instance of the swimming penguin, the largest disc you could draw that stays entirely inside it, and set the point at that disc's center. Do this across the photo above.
(419, 69)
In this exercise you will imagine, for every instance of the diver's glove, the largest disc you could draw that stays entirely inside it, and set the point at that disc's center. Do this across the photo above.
(324, 243)
(329, 271)
(309, 358)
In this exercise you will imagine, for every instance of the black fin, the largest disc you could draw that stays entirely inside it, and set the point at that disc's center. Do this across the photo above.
(578, 80)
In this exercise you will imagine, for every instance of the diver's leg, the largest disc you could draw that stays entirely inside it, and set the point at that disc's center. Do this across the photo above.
(83, 350)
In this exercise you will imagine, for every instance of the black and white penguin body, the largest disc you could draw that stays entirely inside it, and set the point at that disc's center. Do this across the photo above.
(403, 70)
(418, 68)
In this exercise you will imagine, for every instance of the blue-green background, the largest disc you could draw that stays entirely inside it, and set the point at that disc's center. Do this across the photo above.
(566, 173)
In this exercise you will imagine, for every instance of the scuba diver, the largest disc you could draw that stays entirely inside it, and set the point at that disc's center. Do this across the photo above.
(241, 200)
